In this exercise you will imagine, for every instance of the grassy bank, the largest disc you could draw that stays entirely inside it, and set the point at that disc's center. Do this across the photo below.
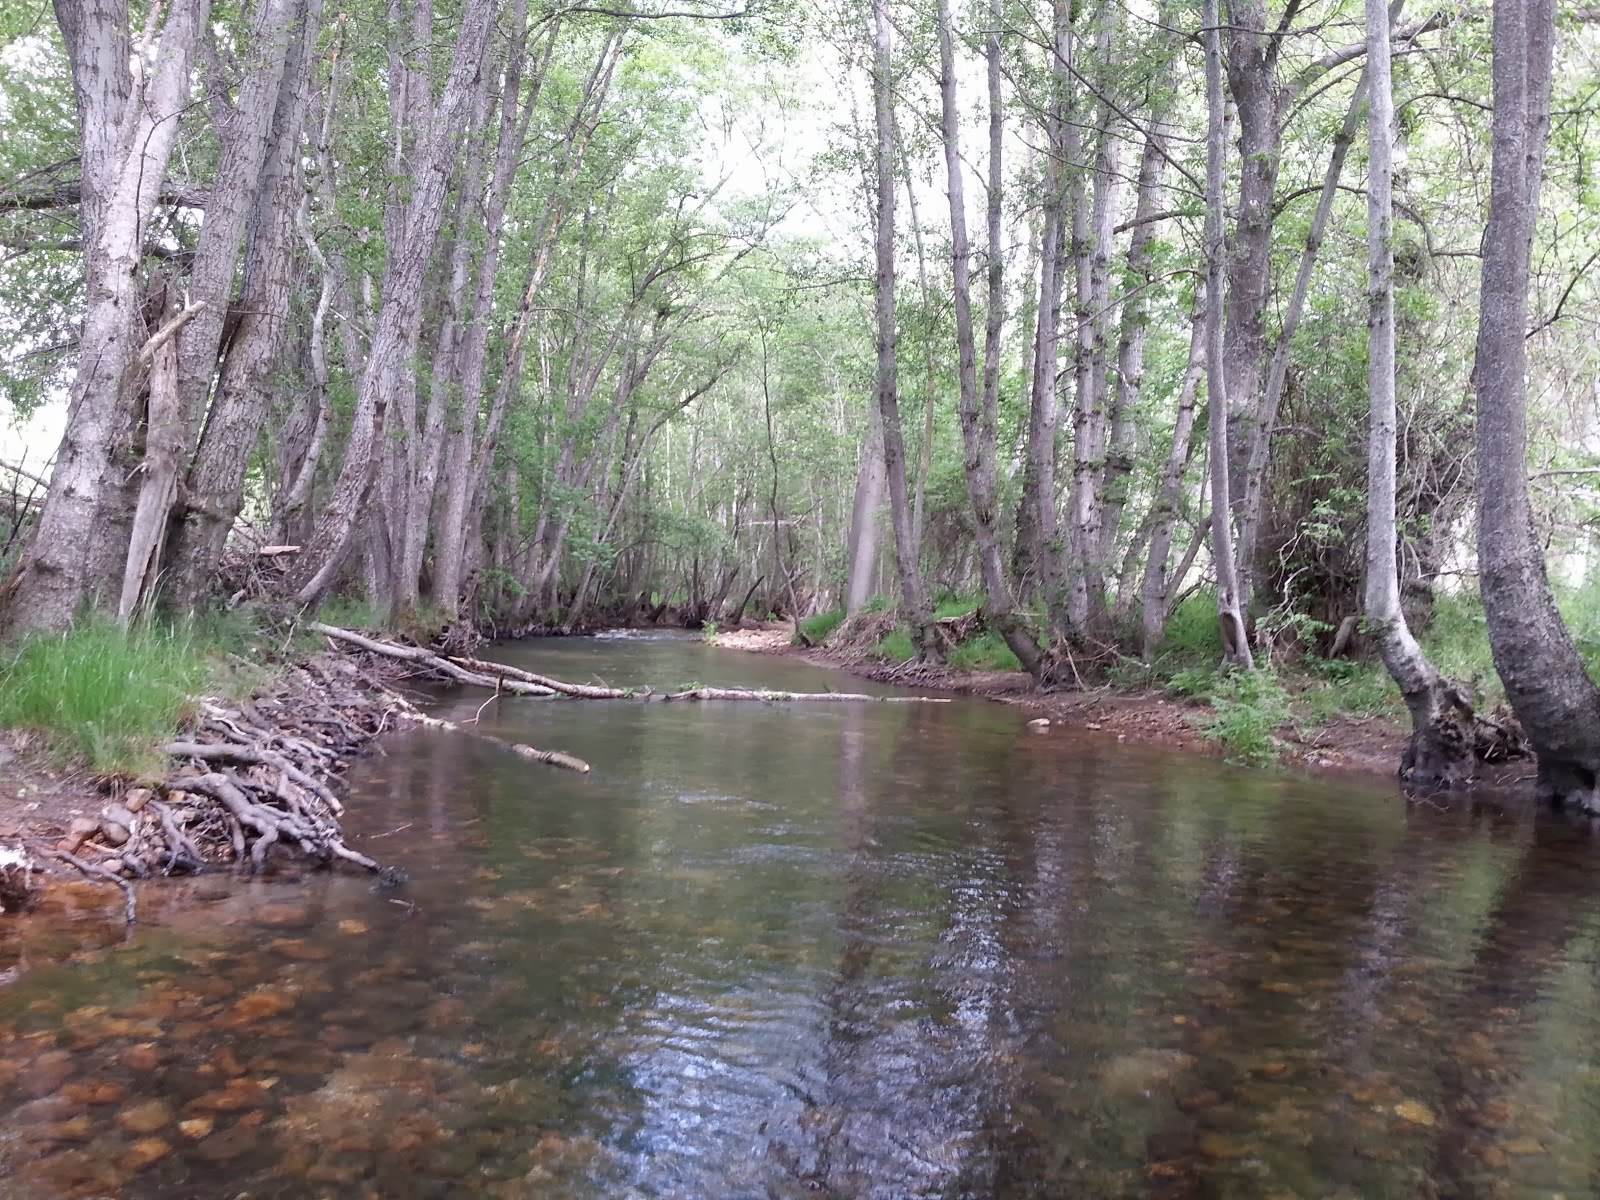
(106, 700)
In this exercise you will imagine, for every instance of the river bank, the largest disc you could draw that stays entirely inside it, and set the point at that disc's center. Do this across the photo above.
(1337, 743)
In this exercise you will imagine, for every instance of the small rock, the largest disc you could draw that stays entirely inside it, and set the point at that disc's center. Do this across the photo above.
(145, 1118)
(136, 799)
(196, 1128)
(1039, 724)
(143, 1057)
(143, 1153)
(1415, 1112)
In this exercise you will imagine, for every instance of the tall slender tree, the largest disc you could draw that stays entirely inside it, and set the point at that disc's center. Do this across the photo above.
(1439, 753)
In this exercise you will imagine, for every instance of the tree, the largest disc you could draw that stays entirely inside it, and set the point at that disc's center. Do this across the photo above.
(1439, 752)
(129, 99)
(1230, 615)
(919, 613)
(1545, 680)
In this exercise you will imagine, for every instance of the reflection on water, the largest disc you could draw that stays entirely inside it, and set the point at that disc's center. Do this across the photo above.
(856, 951)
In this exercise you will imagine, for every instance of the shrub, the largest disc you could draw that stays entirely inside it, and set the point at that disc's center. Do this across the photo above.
(102, 696)
(1248, 707)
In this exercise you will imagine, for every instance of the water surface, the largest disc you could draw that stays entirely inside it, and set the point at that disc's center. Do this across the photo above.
(874, 951)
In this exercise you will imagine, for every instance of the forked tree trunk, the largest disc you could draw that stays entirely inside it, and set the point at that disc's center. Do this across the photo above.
(128, 123)
(1545, 680)
(919, 614)
(1235, 642)
(1439, 754)
(250, 374)
(978, 427)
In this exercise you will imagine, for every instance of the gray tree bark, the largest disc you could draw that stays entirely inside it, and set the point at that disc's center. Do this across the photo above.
(128, 123)
(1545, 680)
(1235, 642)
(1439, 753)
(979, 432)
(919, 614)
(394, 339)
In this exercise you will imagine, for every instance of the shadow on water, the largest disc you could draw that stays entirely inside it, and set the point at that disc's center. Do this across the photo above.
(840, 950)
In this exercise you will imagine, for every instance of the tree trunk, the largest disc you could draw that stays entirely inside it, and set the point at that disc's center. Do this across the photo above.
(395, 338)
(1235, 642)
(861, 552)
(214, 480)
(1037, 554)
(978, 429)
(919, 614)
(1439, 754)
(1545, 680)
(68, 565)
(1155, 592)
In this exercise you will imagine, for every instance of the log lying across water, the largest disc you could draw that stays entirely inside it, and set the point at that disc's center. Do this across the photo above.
(712, 693)
(503, 678)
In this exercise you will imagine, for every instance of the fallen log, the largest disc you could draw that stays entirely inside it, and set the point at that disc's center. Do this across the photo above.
(712, 693)
(427, 658)
(582, 691)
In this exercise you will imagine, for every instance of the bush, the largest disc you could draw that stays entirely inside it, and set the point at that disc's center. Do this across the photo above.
(102, 696)
(1249, 706)
(817, 628)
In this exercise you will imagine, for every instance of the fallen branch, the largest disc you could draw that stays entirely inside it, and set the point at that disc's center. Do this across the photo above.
(98, 874)
(407, 711)
(427, 658)
(582, 691)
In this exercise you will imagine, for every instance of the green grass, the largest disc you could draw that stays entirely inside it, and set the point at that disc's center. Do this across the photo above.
(817, 628)
(348, 614)
(1248, 707)
(896, 646)
(986, 652)
(102, 697)
(955, 606)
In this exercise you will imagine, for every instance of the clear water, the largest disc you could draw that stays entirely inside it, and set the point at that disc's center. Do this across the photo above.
(875, 951)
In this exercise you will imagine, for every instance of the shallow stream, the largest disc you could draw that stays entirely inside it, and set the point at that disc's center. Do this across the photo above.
(854, 950)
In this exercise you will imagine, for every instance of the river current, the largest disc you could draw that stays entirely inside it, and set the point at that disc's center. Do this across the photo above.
(863, 951)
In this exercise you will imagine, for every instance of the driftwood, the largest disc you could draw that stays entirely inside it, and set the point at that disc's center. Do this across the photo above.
(554, 758)
(579, 690)
(502, 678)
(711, 693)
(427, 658)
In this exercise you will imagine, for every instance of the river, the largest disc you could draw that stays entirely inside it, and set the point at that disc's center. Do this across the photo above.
(851, 950)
